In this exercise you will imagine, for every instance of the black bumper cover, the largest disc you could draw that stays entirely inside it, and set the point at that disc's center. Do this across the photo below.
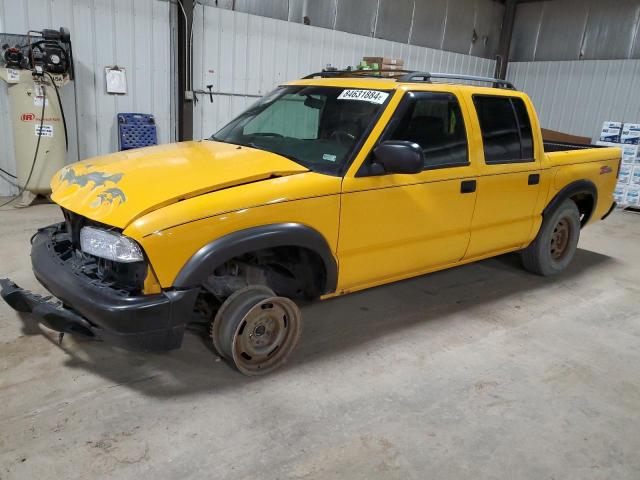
(146, 322)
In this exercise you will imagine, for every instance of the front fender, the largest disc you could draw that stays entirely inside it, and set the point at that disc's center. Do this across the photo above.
(217, 252)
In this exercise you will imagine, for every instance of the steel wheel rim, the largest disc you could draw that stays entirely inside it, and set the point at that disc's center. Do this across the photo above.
(222, 311)
(266, 335)
(559, 245)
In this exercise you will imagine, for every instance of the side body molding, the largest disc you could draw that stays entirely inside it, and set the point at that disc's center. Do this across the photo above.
(215, 253)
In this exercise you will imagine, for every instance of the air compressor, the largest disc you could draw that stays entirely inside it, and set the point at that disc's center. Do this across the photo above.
(35, 69)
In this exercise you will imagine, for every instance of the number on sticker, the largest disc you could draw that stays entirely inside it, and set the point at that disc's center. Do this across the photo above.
(373, 96)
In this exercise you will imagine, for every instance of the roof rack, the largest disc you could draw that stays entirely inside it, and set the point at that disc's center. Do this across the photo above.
(359, 73)
(426, 77)
(411, 76)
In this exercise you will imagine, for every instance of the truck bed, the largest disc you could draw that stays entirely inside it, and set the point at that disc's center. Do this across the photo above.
(563, 147)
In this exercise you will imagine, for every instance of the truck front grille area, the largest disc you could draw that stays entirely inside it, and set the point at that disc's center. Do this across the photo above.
(126, 278)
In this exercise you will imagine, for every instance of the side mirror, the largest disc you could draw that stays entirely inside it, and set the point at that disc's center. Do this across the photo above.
(399, 156)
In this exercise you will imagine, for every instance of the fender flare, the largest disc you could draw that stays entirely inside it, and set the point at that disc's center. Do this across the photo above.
(574, 188)
(213, 254)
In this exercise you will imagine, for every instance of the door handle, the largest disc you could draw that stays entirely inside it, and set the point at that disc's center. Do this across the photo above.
(534, 179)
(468, 186)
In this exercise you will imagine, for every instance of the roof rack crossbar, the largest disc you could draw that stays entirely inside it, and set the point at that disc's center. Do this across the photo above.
(426, 77)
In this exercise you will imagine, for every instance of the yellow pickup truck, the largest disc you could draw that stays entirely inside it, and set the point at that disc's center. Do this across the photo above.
(330, 184)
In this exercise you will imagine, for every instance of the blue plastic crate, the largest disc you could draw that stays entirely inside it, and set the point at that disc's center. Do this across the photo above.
(136, 130)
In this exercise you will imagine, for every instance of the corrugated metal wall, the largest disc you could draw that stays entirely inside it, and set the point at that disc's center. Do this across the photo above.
(572, 30)
(577, 96)
(440, 24)
(244, 56)
(241, 55)
(132, 34)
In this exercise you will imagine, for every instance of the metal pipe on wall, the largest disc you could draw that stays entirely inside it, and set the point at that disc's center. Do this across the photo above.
(183, 46)
(504, 45)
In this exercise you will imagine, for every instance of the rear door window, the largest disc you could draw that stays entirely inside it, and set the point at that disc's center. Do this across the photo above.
(506, 129)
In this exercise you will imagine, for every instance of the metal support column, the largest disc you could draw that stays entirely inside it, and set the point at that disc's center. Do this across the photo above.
(504, 45)
(185, 72)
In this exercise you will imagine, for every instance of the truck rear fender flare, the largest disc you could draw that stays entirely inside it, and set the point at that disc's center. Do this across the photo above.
(213, 254)
(577, 188)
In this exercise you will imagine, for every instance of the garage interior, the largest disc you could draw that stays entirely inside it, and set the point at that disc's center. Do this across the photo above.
(479, 371)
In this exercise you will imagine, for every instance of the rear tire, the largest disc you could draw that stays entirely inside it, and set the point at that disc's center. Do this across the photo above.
(555, 246)
(256, 330)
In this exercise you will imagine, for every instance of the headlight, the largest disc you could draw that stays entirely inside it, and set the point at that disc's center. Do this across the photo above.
(109, 245)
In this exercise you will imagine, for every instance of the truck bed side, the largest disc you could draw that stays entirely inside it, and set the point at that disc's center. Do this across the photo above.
(595, 165)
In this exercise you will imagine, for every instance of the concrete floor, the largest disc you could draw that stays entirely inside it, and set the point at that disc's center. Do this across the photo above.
(483, 371)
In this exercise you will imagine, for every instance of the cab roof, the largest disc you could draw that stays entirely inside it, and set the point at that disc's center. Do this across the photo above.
(392, 79)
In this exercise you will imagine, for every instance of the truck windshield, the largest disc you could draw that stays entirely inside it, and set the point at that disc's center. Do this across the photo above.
(318, 127)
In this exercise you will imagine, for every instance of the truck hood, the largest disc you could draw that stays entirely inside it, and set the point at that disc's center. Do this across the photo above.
(118, 188)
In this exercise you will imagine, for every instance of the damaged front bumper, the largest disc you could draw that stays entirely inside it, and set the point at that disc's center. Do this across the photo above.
(140, 322)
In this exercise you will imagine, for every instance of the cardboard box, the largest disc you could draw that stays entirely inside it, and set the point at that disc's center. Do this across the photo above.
(632, 197)
(630, 154)
(384, 61)
(619, 194)
(617, 125)
(387, 66)
(630, 134)
(635, 176)
(624, 177)
(610, 135)
(555, 136)
(607, 144)
(390, 74)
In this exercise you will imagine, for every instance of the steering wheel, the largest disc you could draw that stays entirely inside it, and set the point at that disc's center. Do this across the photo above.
(342, 137)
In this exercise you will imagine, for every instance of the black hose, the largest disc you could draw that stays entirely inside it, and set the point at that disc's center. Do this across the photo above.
(7, 173)
(35, 155)
(64, 120)
(10, 181)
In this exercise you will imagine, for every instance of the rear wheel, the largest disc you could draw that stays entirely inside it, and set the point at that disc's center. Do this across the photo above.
(256, 330)
(556, 243)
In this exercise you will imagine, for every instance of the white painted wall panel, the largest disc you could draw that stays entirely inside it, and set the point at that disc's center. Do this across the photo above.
(247, 56)
(577, 96)
(134, 34)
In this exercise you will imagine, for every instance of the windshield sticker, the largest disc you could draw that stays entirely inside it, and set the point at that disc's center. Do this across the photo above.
(328, 157)
(372, 96)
